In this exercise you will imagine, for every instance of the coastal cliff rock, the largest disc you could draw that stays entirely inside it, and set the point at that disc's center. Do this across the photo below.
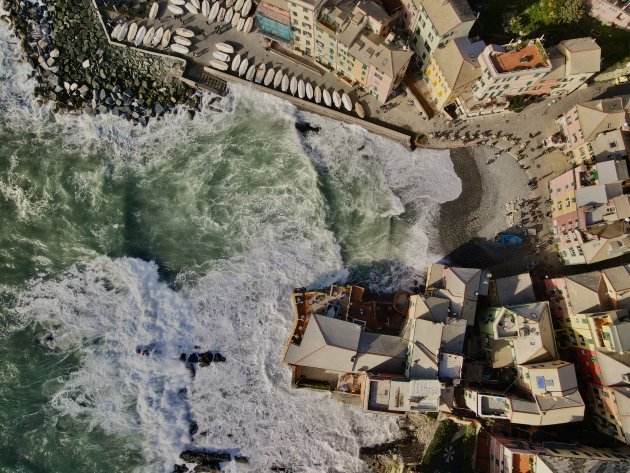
(79, 71)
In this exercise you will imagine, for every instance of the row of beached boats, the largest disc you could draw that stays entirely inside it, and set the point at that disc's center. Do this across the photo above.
(277, 79)
(154, 36)
(234, 12)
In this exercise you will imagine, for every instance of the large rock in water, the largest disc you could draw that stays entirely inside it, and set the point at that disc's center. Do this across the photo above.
(205, 461)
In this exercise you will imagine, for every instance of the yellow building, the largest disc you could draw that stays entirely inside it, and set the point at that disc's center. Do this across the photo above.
(452, 70)
(303, 16)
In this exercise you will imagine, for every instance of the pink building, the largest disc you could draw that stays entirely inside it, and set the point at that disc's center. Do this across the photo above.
(611, 12)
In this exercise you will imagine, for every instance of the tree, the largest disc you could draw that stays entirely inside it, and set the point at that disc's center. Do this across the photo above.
(571, 11)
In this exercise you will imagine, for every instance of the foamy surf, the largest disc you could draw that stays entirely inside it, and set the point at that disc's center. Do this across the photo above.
(239, 209)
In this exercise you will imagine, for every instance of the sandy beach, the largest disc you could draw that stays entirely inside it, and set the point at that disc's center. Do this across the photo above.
(468, 224)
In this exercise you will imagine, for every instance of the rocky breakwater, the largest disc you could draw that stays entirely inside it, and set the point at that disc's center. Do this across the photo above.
(78, 70)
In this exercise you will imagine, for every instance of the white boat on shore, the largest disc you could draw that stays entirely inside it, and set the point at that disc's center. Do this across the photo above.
(250, 72)
(327, 98)
(358, 108)
(243, 67)
(336, 99)
(183, 41)
(148, 37)
(229, 3)
(236, 62)
(301, 89)
(228, 15)
(220, 65)
(309, 91)
(154, 11)
(238, 6)
(116, 30)
(205, 8)
(178, 48)
(293, 86)
(225, 48)
(260, 73)
(175, 9)
(140, 35)
(185, 32)
(285, 83)
(241, 24)
(179, 3)
(133, 29)
(318, 95)
(221, 56)
(249, 23)
(196, 4)
(347, 103)
(247, 6)
(269, 77)
(235, 19)
(277, 80)
(166, 38)
(157, 37)
(191, 8)
(214, 11)
(123, 32)
(221, 14)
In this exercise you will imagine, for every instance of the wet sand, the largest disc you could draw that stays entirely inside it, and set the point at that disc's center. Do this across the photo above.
(467, 225)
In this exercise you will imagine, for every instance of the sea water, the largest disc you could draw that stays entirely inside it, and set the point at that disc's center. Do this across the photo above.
(188, 234)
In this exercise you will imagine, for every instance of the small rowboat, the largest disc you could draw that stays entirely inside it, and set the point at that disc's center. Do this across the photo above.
(133, 29)
(241, 24)
(294, 85)
(243, 67)
(205, 8)
(196, 4)
(309, 91)
(221, 56)
(183, 41)
(148, 37)
(153, 11)
(249, 23)
(228, 15)
(191, 8)
(336, 99)
(229, 3)
(359, 109)
(301, 89)
(326, 97)
(250, 72)
(260, 73)
(180, 3)
(247, 6)
(140, 35)
(236, 62)
(238, 6)
(185, 32)
(123, 32)
(116, 31)
(214, 11)
(269, 77)
(175, 10)
(224, 48)
(285, 83)
(157, 37)
(221, 14)
(178, 48)
(278, 79)
(166, 38)
(347, 103)
(220, 65)
(318, 95)
(235, 19)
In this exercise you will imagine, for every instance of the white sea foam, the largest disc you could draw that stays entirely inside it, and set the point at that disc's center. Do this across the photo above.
(277, 234)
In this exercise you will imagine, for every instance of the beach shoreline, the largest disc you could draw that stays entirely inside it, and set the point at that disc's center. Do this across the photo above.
(466, 226)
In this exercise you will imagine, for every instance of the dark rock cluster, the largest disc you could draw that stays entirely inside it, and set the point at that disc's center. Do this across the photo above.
(79, 71)
(206, 462)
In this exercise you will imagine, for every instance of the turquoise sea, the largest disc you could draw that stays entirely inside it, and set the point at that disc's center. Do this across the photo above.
(184, 234)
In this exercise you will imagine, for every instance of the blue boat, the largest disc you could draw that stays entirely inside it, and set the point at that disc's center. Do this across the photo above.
(508, 239)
